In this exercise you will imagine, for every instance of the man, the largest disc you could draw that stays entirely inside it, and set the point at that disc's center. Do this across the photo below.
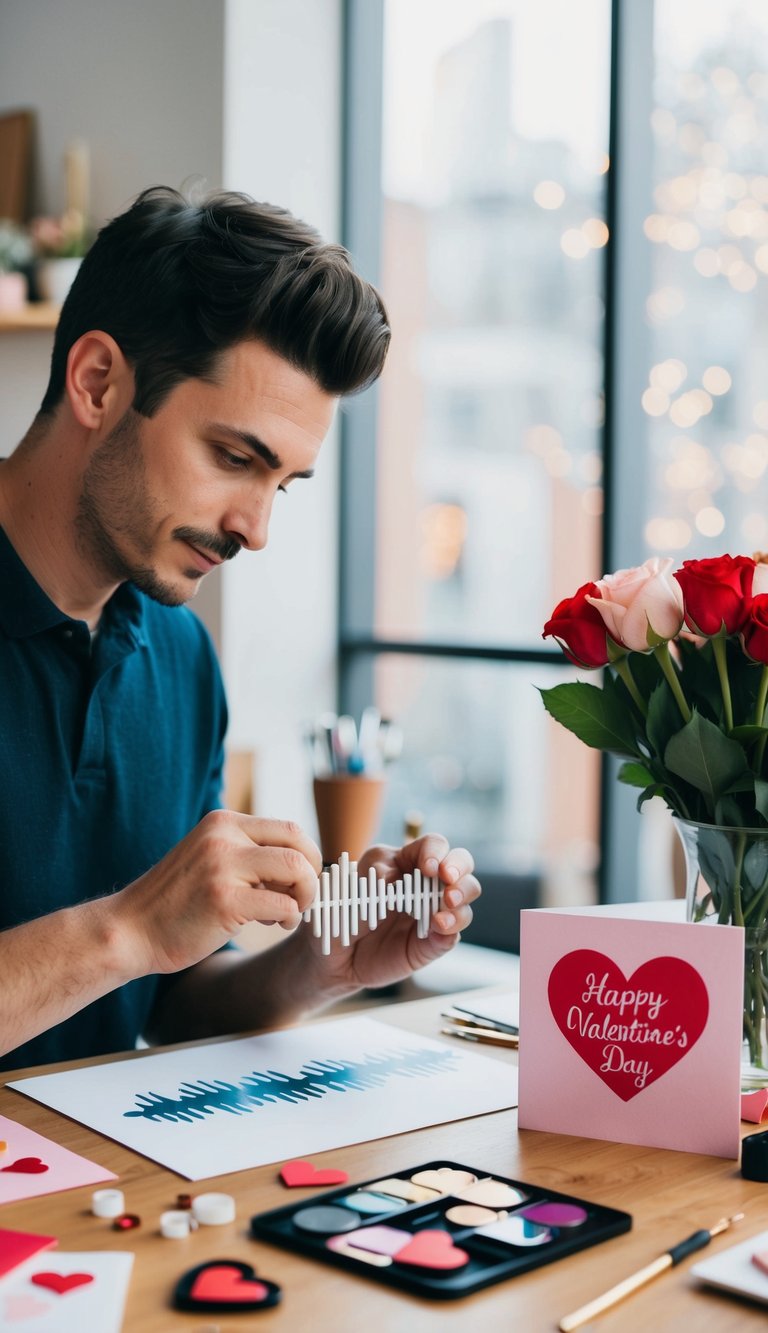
(195, 371)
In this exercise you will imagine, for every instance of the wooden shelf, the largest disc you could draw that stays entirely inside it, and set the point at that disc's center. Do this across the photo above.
(38, 315)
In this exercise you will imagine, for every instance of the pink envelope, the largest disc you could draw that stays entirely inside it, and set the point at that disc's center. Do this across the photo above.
(17, 1246)
(630, 1026)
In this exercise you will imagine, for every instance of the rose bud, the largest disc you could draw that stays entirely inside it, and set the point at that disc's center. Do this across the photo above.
(579, 630)
(716, 593)
(641, 607)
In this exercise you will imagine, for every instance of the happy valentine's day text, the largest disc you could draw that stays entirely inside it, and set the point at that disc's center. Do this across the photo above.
(637, 1031)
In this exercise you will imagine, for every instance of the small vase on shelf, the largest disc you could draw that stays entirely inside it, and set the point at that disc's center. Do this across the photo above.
(727, 884)
(55, 277)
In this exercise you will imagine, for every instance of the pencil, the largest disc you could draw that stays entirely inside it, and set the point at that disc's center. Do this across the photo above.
(486, 1035)
(695, 1242)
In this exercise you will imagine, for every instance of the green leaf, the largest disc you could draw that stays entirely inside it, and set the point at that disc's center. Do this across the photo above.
(635, 775)
(702, 755)
(663, 720)
(761, 796)
(747, 734)
(656, 790)
(596, 718)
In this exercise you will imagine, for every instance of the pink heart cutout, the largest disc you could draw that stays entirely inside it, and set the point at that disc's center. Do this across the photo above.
(23, 1307)
(432, 1249)
(222, 1283)
(61, 1282)
(304, 1173)
(29, 1166)
(628, 1031)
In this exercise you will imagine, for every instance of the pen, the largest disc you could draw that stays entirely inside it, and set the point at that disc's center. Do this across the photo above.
(486, 1035)
(695, 1242)
(465, 1019)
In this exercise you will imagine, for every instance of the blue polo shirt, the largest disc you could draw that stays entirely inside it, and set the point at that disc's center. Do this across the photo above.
(109, 754)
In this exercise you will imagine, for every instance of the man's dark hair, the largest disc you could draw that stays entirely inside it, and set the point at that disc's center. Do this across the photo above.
(175, 283)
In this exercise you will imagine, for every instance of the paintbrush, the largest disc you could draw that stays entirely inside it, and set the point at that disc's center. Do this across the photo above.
(695, 1242)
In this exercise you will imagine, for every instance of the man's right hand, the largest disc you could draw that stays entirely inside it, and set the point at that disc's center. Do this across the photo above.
(231, 869)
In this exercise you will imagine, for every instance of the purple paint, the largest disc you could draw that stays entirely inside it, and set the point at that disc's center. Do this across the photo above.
(553, 1214)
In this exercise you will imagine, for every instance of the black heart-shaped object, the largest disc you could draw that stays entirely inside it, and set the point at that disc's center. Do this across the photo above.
(224, 1286)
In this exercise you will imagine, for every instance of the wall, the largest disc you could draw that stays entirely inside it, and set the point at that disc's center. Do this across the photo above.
(163, 90)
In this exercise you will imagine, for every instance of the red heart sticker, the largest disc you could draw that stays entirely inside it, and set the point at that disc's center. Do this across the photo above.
(30, 1166)
(630, 1031)
(304, 1173)
(61, 1282)
(222, 1283)
(432, 1249)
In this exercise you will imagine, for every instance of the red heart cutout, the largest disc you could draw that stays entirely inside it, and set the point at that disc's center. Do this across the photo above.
(629, 1031)
(61, 1283)
(30, 1166)
(304, 1173)
(432, 1249)
(220, 1282)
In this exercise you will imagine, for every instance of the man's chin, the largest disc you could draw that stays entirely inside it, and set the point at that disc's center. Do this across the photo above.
(164, 592)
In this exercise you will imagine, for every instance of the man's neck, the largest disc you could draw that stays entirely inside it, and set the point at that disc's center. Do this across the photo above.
(39, 492)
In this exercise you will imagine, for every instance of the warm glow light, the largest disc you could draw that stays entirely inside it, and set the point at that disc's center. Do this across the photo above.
(444, 531)
(595, 232)
(691, 468)
(710, 521)
(716, 380)
(655, 402)
(686, 410)
(760, 414)
(735, 185)
(558, 463)
(761, 258)
(603, 164)
(543, 440)
(725, 81)
(549, 194)
(591, 466)
(574, 244)
(683, 235)
(656, 227)
(665, 303)
(706, 262)
(730, 257)
(667, 534)
(758, 188)
(742, 277)
(668, 375)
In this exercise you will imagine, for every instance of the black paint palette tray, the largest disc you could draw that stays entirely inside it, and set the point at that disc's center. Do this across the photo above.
(440, 1230)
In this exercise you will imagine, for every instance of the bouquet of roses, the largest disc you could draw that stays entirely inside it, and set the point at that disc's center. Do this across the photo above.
(683, 702)
(684, 698)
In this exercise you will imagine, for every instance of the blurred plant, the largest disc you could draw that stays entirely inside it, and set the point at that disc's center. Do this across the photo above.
(15, 247)
(65, 237)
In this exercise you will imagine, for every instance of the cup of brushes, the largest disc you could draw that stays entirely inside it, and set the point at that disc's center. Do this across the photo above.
(349, 779)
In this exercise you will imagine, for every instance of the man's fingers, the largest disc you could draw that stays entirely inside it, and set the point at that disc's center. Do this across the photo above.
(280, 833)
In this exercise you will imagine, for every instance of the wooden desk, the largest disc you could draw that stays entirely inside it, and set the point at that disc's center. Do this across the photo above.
(669, 1195)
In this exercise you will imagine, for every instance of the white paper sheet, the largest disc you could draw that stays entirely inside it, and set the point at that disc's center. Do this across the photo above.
(208, 1110)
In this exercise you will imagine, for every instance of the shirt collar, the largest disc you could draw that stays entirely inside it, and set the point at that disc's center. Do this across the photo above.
(25, 609)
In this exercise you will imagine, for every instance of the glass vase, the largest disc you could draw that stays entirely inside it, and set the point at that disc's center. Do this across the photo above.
(727, 884)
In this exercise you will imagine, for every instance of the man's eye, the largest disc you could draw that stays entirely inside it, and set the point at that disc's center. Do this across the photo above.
(236, 461)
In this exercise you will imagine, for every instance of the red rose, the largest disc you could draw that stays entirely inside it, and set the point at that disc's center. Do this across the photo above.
(754, 634)
(579, 629)
(716, 593)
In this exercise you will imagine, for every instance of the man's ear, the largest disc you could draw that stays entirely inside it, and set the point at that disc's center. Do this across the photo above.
(99, 381)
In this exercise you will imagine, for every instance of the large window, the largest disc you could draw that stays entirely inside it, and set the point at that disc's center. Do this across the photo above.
(558, 401)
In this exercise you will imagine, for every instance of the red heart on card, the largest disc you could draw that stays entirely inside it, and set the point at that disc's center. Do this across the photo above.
(222, 1286)
(30, 1166)
(304, 1173)
(61, 1282)
(432, 1249)
(630, 1031)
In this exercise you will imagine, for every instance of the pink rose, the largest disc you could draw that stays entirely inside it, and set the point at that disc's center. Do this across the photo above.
(641, 607)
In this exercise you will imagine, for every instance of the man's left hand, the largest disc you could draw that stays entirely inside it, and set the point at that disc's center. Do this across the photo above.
(393, 951)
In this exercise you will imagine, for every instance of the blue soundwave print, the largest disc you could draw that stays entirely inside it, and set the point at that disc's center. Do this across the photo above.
(317, 1078)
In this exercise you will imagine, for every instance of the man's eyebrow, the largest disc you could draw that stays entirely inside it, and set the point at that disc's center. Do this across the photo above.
(268, 456)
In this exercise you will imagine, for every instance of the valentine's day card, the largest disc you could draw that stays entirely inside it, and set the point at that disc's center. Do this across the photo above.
(630, 1027)
(68, 1293)
(30, 1165)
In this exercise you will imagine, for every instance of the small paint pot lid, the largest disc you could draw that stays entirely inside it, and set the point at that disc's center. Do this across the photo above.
(326, 1219)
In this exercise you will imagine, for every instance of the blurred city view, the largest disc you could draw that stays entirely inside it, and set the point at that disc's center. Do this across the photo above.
(489, 488)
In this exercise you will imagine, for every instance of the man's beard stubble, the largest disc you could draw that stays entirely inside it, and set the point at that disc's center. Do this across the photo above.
(115, 502)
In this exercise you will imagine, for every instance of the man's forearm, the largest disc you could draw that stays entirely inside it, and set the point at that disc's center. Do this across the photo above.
(236, 992)
(52, 967)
